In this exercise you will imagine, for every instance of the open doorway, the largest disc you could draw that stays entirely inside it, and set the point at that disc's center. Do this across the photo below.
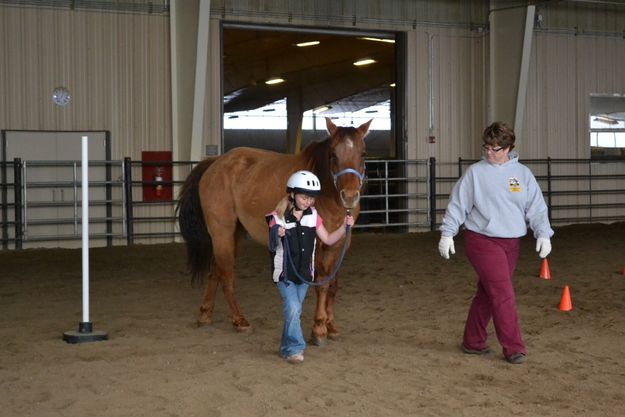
(607, 127)
(280, 83)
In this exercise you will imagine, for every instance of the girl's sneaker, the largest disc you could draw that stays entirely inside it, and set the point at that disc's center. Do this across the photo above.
(296, 358)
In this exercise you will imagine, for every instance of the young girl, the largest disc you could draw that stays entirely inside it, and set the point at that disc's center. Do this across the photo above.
(296, 221)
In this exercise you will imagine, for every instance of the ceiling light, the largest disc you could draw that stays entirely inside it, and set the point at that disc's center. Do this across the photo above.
(304, 44)
(365, 61)
(605, 119)
(273, 81)
(366, 38)
(392, 85)
(321, 109)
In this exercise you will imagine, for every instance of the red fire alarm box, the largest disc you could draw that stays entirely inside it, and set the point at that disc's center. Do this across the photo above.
(156, 175)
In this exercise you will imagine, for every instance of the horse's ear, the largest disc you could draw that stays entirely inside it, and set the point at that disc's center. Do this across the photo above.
(364, 128)
(330, 126)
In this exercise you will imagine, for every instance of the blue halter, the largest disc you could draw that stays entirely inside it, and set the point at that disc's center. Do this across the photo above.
(349, 171)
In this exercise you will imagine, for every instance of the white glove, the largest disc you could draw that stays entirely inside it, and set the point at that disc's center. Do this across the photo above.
(543, 246)
(446, 246)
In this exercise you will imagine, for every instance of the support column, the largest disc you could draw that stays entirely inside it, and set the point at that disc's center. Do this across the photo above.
(199, 93)
(184, 29)
(295, 115)
(511, 32)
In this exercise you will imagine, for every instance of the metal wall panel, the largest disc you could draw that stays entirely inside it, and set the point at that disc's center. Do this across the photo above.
(565, 71)
(124, 6)
(115, 65)
(449, 69)
(583, 17)
(371, 14)
(445, 98)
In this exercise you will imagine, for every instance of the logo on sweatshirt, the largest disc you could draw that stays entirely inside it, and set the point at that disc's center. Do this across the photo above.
(515, 185)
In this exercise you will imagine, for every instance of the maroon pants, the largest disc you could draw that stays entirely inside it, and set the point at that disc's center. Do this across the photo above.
(494, 260)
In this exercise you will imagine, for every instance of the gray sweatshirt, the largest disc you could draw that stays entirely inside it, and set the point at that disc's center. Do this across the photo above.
(497, 201)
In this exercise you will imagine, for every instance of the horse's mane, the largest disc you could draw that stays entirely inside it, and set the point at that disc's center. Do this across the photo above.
(317, 155)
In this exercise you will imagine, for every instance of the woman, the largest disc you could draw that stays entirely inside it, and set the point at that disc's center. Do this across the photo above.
(296, 221)
(496, 199)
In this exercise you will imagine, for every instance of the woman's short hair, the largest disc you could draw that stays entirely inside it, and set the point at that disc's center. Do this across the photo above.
(499, 134)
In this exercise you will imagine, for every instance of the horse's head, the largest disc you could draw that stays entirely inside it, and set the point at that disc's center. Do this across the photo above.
(347, 160)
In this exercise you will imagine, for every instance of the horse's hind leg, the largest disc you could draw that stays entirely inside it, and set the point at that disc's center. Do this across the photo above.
(224, 252)
(206, 309)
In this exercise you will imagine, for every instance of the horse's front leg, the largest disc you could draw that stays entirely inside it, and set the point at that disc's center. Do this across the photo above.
(320, 331)
(333, 332)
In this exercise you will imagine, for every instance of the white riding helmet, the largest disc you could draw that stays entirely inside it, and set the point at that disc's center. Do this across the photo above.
(304, 182)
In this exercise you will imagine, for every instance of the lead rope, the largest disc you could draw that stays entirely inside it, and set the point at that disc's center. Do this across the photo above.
(285, 244)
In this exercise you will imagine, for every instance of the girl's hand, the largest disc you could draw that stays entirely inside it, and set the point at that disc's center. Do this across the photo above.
(281, 231)
(349, 220)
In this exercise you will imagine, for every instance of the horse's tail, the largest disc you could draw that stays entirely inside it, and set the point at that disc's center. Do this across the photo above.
(192, 223)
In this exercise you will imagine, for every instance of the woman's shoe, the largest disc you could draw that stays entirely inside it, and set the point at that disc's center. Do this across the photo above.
(470, 351)
(516, 358)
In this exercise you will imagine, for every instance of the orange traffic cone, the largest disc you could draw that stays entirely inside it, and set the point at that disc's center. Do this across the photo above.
(565, 302)
(545, 273)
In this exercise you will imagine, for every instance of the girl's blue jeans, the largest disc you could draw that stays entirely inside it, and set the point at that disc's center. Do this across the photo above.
(293, 295)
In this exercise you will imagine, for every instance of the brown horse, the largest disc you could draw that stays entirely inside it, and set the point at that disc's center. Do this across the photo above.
(225, 196)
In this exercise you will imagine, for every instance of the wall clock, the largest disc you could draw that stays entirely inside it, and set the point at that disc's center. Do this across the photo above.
(61, 96)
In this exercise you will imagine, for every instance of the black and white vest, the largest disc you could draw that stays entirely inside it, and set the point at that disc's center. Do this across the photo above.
(302, 240)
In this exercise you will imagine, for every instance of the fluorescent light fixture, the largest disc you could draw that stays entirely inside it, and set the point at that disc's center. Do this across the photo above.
(305, 44)
(321, 109)
(605, 119)
(365, 61)
(273, 81)
(366, 38)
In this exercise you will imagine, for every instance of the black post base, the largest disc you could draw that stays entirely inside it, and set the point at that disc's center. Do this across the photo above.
(84, 334)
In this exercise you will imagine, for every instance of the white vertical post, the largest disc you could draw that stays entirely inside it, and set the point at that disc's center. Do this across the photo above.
(85, 331)
(85, 229)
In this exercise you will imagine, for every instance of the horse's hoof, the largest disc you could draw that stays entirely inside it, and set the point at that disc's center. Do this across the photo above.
(318, 341)
(242, 325)
(204, 323)
(244, 329)
(334, 336)
(333, 332)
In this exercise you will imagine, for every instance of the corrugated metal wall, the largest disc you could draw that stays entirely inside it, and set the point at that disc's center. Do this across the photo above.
(115, 65)
(117, 69)
(565, 71)
(372, 14)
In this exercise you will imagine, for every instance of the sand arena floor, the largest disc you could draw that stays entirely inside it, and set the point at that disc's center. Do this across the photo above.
(401, 310)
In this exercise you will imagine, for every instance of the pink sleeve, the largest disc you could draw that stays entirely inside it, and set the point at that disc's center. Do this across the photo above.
(319, 221)
(271, 219)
